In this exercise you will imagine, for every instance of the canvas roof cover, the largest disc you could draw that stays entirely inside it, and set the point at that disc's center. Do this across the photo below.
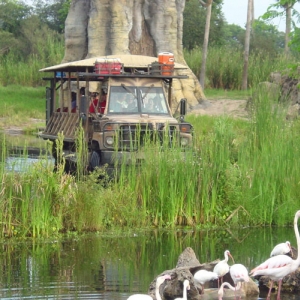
(129, 61)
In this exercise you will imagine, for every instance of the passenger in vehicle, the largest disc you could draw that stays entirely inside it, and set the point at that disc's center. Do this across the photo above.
(103, 100)
(130, 103)
(150, 106)
(116, 103)
(96, 105)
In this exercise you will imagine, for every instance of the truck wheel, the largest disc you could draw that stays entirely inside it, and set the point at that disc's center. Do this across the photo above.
(94, 160)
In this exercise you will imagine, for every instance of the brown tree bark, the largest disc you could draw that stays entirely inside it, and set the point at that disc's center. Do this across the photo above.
(146, 27)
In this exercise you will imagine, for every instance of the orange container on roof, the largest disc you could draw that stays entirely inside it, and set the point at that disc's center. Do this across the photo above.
(166, 59)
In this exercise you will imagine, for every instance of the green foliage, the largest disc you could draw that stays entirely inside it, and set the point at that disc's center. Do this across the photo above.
(12, 13)
(27, 44)
(194, 18)
(266, 38)
(53, 13)
(240, 172)
(224, 69)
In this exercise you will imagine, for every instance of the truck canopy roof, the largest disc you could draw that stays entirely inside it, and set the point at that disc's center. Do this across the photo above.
(129, 61)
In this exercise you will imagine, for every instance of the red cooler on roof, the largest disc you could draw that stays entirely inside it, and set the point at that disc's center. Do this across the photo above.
(106, 66)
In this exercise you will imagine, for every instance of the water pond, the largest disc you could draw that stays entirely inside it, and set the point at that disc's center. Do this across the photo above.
(117, 265)
(114, 266)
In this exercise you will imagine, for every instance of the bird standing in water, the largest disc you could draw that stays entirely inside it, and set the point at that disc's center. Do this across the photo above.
(233, 288)
(239, 274)
(203, 276)
(279, 266)
(222, 267)
(186, 287)
(159, 281)
(282, 248)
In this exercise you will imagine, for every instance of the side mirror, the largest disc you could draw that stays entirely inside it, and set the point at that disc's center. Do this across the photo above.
(182, 107)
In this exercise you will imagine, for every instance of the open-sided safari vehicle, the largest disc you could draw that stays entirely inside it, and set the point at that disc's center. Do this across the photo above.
(119, 101)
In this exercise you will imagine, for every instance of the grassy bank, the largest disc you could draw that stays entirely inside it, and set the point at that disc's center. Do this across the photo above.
(239, 173)
(20, 104)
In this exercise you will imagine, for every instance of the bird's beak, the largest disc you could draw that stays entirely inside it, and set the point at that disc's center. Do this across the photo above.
(231, 258)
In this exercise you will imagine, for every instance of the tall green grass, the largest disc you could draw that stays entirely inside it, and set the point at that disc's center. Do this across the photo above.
(239, 173)
(17, 71)
(224, 66)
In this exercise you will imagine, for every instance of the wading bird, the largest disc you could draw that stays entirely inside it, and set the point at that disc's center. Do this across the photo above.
(159, 281)
(186, 287)
(279, 266)
(239, 274)
(222, 267)
(221, 289)
(282, 248)
(203, 276)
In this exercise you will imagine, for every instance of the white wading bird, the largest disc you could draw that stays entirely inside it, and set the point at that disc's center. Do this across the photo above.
(159, 281)
(186, 287)
(203, 276)
(279, 266)
(222, 267)
(282, 248)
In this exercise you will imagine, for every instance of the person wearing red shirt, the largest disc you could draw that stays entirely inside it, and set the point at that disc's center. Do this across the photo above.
(96, 105)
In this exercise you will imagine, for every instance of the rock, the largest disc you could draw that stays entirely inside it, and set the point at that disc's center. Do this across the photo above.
(187, 259)
(293, 112)
(186, 267)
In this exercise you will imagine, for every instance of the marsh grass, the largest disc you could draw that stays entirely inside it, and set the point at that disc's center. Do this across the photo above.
(239, 172)
(15, 71)
(224, 67)
(20, 104)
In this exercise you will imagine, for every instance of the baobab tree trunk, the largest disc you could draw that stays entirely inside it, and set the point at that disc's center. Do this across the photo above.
(146, 27)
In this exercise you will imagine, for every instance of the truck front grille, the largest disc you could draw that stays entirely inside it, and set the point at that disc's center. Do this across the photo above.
(134, 136)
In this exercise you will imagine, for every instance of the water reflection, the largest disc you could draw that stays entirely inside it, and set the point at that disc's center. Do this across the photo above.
(113, 267)
(21, 152)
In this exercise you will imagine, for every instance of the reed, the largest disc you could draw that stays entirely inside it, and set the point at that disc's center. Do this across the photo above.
(48, 51)
(224, 67)
(239, 172)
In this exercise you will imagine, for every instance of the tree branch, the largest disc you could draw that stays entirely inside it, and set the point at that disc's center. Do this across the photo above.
(208, 3)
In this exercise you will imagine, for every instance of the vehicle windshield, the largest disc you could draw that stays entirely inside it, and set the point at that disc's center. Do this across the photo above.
(130, 99)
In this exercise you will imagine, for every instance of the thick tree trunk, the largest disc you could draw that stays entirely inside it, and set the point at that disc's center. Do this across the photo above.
(146, 27)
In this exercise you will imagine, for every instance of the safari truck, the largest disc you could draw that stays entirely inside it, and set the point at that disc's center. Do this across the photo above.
(117, 101)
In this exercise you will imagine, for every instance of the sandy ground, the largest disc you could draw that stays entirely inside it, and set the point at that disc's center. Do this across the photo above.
(233, 108)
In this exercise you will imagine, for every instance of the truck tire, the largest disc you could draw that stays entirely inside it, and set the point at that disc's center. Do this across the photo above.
(94, 160)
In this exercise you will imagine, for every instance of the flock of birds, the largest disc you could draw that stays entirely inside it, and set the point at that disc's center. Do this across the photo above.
(276, 267)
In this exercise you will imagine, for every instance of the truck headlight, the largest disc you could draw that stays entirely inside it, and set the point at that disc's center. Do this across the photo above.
(109, 140)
